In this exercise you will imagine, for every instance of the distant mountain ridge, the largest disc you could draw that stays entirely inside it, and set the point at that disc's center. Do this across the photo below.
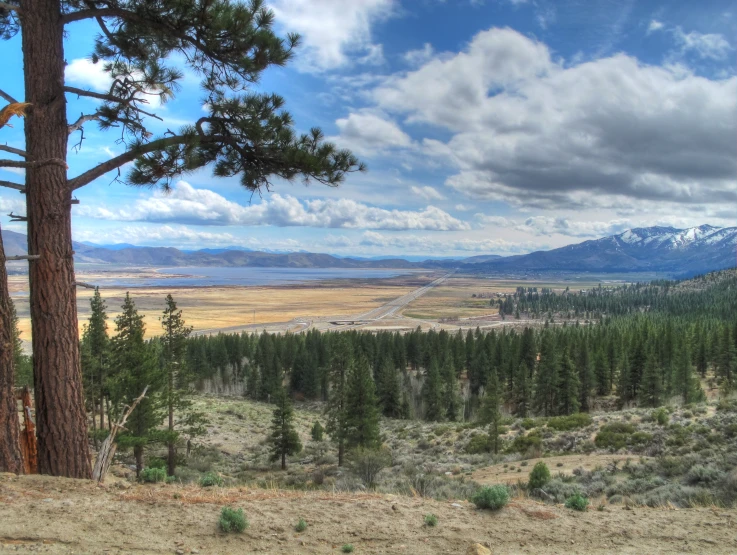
(671, 250)
(662, 249)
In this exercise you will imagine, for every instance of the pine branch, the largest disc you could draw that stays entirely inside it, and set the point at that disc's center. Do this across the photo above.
(112, 98)
(7, 97)
(11, 185)
(122, 159)
(34, 164)
(12, 150)
(10, 7)
(81, 121)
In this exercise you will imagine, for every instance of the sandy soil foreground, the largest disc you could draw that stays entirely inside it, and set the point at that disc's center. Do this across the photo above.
(53, 515)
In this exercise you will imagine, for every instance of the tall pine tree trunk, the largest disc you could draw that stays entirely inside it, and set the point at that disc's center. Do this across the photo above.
(10, 454)
(172, 452)
(60, 414)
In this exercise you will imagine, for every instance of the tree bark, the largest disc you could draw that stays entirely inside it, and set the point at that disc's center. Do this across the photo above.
(61, 424)
(10, 453)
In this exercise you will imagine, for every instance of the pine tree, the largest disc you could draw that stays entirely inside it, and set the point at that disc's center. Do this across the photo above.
(490, 413)
(451, 393)
(568, 391)
(134, 366)
(686, 384)
(337, 409)
(522, 392)
(727, 360)
(546, 378)
(651, 388)
(432, 394)
(96, 349)
(585, 376)
(174, 345)
(244, 134)
(21, 361)
(284, 439)
(388, 389)
(362, 421)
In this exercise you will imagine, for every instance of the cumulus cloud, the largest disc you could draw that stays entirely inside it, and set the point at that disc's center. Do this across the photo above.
(152, 235)
(545, 225)
(426, 192)
(706, 45)
(83, 73)
(654, 25)
(534, 132)
(188, 205)
(333, 30)
(419, 56)
(368, 133)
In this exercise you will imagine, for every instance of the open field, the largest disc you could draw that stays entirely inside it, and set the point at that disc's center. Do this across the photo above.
(455, 298)
(63, 516)
(208, 308)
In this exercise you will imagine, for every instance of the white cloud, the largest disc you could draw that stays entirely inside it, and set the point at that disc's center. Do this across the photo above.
(369, 133)
(83, 73)
(706, 45)
(333, 30)
(151, 235)
(429, 244)
(428, 193)
(419, 56)
(187, 205)
(654, 25)
(463, 207)
(535, 133)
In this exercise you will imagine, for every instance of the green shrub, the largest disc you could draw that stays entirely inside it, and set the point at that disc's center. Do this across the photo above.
(577, 502)
(317, 431)
(301, 525)
(522, 443)
(539, 476)
(232, 520)
(156, 462)
(347, 548)
(153, 475)
(570, 422)
(614, 435)
(491, 497)
(660, 416)
(210, 479)
(431, 520)
(367, 463)
(528, 423)
(480, 443)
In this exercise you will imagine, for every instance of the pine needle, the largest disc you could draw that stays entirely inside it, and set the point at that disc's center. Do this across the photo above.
(14, 109)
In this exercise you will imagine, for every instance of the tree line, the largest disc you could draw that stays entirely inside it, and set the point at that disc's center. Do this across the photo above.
(642, 357)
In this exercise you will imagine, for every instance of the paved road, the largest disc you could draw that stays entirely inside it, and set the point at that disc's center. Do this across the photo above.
(390, 308)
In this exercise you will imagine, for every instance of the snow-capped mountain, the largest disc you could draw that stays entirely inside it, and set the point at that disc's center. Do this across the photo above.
(665, 249)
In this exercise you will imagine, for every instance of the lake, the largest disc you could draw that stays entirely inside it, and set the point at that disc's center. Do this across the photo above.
(219, 276)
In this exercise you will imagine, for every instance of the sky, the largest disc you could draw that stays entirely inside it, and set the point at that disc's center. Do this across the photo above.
(488, 127)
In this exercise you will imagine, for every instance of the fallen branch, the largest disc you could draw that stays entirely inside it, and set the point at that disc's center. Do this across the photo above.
(24, 257)
(107, 451)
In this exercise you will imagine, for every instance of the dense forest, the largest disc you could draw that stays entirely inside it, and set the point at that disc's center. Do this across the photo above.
(641, 344)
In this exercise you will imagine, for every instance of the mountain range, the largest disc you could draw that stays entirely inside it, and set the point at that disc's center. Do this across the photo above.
(669, 250)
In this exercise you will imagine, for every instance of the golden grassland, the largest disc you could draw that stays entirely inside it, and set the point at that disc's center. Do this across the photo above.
(221, 307)
(454, 298)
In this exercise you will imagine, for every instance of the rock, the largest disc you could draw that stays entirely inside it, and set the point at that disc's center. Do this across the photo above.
(179, 552)
(456, 505)
(477, 549)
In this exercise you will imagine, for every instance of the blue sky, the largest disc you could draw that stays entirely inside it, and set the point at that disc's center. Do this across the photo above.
(488, 126)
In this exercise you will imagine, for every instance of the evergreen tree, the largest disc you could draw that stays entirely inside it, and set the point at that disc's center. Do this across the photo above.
(96, 352)
(388, 389)
(337, 407)
(450, 390)
(522, 393)
(601, 373)
(21, 361)
(134, 366)
(651, 390)
(362, 421)
(316, 431)
(432, 394)
(284, 439)
(686, 384)
(490, 413)
(174, 345)
(568, 386)
(546, 378)
(244, 134)
(585, 376)
(727, 360)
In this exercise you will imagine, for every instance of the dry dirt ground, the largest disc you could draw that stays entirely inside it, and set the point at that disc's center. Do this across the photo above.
(508, 473)
(54, 515)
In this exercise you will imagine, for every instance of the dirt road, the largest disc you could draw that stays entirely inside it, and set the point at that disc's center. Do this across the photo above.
(62, 516)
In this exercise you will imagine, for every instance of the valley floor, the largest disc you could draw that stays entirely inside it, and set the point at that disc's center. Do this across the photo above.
(56, 515)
